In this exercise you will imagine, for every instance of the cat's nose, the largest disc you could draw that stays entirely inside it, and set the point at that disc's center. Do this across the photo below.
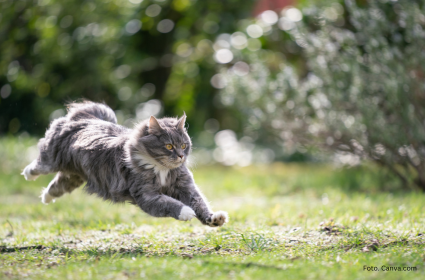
(181, 156)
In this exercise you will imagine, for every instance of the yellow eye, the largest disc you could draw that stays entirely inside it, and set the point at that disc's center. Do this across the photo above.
(183, 146)
(169, 146)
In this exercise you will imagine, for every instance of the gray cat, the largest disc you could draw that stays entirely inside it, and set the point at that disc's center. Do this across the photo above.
(143, 166)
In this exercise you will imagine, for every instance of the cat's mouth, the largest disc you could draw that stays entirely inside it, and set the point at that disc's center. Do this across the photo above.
(181, 159)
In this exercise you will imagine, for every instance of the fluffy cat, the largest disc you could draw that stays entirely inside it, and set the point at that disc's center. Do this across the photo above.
(144, 166)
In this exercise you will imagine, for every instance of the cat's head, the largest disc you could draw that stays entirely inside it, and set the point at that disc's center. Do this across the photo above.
(165, 142)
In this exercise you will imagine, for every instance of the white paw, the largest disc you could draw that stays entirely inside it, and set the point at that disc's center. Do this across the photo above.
(27, 174)
(46, 198)
(186, 214)
(218, 219)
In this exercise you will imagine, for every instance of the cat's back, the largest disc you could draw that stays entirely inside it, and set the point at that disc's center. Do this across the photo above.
(86, 133)
(97, 134)
(67, 141)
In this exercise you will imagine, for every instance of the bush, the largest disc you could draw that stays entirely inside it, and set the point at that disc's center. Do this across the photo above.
(342, 78)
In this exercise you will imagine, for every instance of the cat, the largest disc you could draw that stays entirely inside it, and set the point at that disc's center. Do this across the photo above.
(145, 166)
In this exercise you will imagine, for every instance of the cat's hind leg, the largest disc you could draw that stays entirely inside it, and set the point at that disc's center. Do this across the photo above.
(35, 169)
(62, 183)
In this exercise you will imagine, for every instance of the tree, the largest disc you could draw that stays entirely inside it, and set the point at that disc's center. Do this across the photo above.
(123, 52)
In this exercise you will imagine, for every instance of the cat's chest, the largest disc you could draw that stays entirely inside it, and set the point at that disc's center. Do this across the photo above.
(165, 177)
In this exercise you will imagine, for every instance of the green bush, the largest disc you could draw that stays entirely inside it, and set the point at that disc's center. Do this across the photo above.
(342, 78)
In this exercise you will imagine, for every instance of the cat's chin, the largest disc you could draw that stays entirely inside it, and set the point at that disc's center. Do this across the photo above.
(172, 165)
(176, 165)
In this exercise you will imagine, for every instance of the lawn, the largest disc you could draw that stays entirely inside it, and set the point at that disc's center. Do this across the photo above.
(287, 221)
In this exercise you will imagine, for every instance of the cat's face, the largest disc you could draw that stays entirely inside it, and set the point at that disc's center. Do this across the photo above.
(168, 142)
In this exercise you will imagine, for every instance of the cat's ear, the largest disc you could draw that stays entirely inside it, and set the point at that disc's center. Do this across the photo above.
(181, 122)
(154, 126)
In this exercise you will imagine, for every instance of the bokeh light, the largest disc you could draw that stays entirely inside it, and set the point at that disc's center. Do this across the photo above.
(133, 26)
(223, 56)
(254, 31)
(153, 10)
(218, 81)
(269, 17)
(165, 26)
(293, 14)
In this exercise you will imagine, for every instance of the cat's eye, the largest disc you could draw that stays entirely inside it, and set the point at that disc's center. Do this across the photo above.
(169, 146)
(183, 146)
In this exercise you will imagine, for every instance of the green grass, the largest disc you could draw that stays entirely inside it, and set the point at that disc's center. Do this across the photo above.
(286, 222)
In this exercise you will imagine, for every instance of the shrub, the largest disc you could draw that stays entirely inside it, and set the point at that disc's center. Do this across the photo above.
(342, 78)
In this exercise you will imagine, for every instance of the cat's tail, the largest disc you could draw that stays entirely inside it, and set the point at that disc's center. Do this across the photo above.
(90, 110)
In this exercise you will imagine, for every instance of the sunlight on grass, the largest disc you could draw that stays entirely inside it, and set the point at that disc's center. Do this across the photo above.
(292, 221)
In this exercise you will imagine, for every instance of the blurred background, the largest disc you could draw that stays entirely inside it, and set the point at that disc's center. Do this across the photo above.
(337, 82)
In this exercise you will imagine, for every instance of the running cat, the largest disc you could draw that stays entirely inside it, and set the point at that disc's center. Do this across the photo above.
(144, 166)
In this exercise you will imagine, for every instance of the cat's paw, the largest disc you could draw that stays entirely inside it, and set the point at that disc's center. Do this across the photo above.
(186, 213)
(46, 198)
(218, 219)
(27, 174)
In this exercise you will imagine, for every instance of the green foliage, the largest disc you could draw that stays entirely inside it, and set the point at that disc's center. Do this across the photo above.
(119, 51)
(345, 78)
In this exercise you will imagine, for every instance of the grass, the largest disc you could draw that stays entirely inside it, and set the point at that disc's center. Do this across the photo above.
(286, 221)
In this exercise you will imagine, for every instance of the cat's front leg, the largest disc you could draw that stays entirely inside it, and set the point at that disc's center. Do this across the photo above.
(160, 205)
(198, 203)
(190, 195)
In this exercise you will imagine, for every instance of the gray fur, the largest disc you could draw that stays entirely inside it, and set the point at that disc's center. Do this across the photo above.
(121, 164)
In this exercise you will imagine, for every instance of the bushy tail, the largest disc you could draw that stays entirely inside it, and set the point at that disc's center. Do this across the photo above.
(90, 110)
